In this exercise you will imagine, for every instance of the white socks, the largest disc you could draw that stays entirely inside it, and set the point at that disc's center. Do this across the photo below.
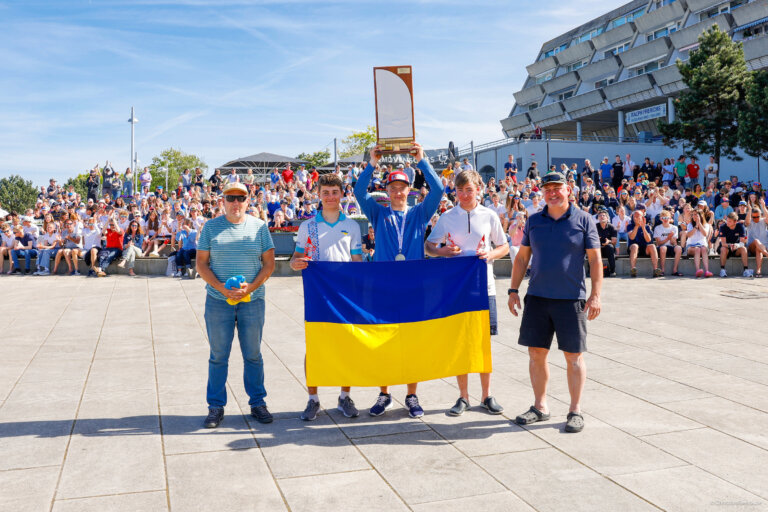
(343, 394)
(315, 398)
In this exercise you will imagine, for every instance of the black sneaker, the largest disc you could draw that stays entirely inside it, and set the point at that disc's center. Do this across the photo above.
(261, 414)
(215, 415)
(27, 272)
(458, 409)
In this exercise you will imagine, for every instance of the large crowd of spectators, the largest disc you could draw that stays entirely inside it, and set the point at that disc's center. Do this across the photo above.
(661, 210)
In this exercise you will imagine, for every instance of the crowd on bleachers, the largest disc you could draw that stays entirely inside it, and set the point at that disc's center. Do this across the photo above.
(661, 210)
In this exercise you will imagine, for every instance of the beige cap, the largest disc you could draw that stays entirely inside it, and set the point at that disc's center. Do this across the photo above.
(232, 188)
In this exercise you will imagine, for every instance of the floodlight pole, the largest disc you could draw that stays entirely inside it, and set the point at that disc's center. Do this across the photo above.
(133, 122)
(335, 158)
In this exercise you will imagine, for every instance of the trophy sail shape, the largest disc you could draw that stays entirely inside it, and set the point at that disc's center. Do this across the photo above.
(393, 86)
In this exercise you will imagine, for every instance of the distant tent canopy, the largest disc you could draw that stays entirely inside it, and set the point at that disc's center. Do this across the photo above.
(343, 162)
(261, 164)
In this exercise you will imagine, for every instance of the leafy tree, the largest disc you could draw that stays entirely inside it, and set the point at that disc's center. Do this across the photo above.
(753, 120)
(175, 161)
(79, 182)
(17, 194)
(356, 142)
(716, 76)
(317, 159)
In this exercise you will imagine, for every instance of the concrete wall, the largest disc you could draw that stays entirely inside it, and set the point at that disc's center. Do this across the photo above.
(573, 151)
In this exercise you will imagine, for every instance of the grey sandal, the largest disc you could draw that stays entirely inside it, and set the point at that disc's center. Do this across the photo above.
(532, 415)
(574, 422)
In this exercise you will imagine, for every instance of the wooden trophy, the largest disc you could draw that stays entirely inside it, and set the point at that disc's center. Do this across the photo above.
(395, 131)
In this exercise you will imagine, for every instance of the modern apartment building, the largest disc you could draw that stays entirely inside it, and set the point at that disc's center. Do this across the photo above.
(612, 78)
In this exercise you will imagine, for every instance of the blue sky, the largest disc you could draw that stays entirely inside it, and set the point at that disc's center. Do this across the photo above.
(225, 79)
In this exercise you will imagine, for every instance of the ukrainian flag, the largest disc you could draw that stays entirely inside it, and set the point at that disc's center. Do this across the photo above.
(385, 323)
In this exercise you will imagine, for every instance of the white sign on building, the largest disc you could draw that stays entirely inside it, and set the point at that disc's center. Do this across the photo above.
(644, 114)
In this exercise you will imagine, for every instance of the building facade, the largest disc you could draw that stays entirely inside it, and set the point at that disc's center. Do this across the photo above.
(614, 77)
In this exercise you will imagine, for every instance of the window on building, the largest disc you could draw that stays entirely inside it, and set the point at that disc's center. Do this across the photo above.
(586, 36)
(756, 31)
(645, 68)
(564, 95)
(554, 51)
(622, 20)
(663, 32)
(602, 83)
(658, 4)
(617, 49)
(529, 107)
(545, 77)
(720, 9)
(576, 65)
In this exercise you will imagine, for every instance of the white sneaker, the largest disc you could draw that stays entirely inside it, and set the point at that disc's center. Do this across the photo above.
(122, 263)
(36, 272)
(748, 273)
(44, 272)
(191, 273)
(723, 273)
(154, 254)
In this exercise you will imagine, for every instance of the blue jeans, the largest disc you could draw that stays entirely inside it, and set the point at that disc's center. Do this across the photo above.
(26, 253)
(493, 314)
(44, 257)
(107, 256)
(220, 322)
(184, 257)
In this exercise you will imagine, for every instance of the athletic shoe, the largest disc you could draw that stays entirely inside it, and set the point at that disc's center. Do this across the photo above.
(699, 273)
(708, 274)
(658, 273)
(122, 263)
(310, 413)
(75, 273)
(215, 415)
(262, 414)
(458, 409)
(633, 272)
(27, 272)
(37, 272)
(91, 273)
(44, 272)
(191, 273)
(723, 273)
(347, 406)
(383, 402)
(748, 273)
(492, 406)
(414, 409)
(154, 254)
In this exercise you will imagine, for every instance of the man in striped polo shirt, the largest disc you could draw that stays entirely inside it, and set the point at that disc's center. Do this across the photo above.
(232, 245)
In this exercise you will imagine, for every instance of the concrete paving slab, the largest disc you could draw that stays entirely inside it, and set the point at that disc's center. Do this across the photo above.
(340, 492)
(183, 432)
(726, 457)
(156, 501)
(112, 463)
(689, 488)
(438, 462)
(227, 480)
(496, 502)
(28, 489)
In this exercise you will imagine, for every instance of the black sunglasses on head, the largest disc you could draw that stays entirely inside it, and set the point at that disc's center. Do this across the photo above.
(232, 199)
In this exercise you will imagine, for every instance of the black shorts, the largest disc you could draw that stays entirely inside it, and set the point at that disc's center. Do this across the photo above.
(543, 318)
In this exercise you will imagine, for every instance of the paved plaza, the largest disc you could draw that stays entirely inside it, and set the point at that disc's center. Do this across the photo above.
(102, 396)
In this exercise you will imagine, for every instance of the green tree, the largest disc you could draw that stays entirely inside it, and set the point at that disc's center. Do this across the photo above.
(716, 76)
(175, 161)
(317, 159)
(17, 194)
(79, 182)
(357, 142)
(753, 120)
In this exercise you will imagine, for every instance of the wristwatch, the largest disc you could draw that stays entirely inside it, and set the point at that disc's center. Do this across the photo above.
(511, 291)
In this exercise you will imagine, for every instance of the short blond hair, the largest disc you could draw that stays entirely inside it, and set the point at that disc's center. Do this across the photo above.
(466, 177)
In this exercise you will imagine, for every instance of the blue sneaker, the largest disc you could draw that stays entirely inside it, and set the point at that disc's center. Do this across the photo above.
(383, 402)
(414, 409)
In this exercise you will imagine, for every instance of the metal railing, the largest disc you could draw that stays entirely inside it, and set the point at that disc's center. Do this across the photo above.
(557, 137)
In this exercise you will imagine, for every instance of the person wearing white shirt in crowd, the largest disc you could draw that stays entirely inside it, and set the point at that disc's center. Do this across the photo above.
(470, 229)
(497, 206)
(91, 245)
(47, 245)
(71, 247)
(665, 236)
(656, 201)
(629, 166)
(409, 171)
(466, 166)
(711, 169)
(620, 222)
(301, 174)
(697, 242)
(536, 205)
(29, 228)
(756, 223)
(287, 211)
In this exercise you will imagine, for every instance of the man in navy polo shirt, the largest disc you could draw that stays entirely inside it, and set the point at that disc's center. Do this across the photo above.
(557, 239)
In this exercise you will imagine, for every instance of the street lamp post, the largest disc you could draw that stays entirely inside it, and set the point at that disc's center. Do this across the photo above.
(133, 121)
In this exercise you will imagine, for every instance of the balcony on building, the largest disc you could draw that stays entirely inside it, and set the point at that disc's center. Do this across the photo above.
(702, 5)
(602, 68)
(630, 91)
(669, 79)
(514, 125)
(529, 95)
(756, 52)
(689, 36)
(750, 12)
(661, 17)
(561, 82)
(585, 104)
(613, 37)
(548, 114)
(655, 50)
(541, 66)
(576, 53)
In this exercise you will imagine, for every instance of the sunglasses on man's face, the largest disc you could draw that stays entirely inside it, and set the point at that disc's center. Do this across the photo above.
(232, 199)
